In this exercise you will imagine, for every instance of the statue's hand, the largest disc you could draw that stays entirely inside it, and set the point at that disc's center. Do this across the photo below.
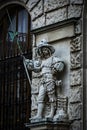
(58, 82)
(37, 66)
(29, 64)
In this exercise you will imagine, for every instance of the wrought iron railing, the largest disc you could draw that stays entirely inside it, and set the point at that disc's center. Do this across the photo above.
(9, 48)
(14, 94)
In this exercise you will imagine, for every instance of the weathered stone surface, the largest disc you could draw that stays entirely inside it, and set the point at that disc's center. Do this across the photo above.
(76, 125)
(31, 4)
(53, 4)
(33, 42)
(75, 95)
(56, 16)
(75, 60)
(75, 111)
(75, 78)
(34, 55)
(47, 124)
(37, 11)
(76, 1)
(74, 11)
(57, 34)
(78, 28)
(34, 102)
(75, 44)
(24, 1)
(39, 22)
(35, 85)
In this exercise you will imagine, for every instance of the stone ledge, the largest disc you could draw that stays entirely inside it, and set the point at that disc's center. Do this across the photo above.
(48, 125)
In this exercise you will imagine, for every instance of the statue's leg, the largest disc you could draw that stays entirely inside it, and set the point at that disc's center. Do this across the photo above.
(52, 112)
(39, 111)
(41, 96)
(52, 99)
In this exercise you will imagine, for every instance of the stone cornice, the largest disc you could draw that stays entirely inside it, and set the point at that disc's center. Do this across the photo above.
(53, 26)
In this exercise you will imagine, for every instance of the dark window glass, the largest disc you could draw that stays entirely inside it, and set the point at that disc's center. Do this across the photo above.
(14, 86)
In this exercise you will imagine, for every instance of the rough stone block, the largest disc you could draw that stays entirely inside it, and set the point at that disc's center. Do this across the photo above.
(75, 111)
(37, 11)
(74, 11)
(39, 22)
(56, 16)
(75, 95)
(76, 1)
(53, 4)
(76, 60)
(75, 78)
(31, 4)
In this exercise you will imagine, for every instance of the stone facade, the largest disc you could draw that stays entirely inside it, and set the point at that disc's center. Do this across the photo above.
(49, 12)
(45, 13)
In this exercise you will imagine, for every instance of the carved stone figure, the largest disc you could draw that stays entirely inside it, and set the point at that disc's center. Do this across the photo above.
(49, 66)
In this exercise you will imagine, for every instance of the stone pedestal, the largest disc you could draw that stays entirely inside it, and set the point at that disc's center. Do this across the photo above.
(48, 125)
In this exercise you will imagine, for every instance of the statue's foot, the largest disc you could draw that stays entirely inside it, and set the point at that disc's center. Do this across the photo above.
(49, 116)
(36, 118)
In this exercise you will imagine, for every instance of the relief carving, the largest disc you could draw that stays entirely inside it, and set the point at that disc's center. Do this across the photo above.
(34, 102)
(75, 78)
(75, 60)
(49, 66)
(75, 44)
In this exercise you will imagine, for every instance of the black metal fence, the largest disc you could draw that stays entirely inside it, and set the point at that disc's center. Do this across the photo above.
(14, 94)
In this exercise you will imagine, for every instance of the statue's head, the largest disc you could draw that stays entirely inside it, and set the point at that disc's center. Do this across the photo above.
(44, 49)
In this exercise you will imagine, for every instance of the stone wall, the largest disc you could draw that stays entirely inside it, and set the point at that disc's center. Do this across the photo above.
(49, 12)
(46, 12)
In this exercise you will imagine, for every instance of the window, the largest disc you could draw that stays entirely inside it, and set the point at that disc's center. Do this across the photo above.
(14, 86)
(14, 19)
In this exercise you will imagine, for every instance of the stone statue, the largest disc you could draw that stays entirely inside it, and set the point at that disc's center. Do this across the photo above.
(49, 66)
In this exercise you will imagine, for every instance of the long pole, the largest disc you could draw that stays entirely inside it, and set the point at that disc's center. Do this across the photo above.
(24, 63)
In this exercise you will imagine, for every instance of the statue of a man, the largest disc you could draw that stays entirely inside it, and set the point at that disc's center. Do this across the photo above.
(49, 66)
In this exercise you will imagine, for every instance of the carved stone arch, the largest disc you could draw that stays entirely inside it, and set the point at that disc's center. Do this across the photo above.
(9, 2)
(22, 3)
(28, 5)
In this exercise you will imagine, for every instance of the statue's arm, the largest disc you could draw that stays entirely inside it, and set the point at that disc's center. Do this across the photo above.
(58, 65)
(33, 65)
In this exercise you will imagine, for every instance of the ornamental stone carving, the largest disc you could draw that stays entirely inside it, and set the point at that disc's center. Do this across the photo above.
(75, 60)
(75, 95)
(49, 66)
(75, 44)
(75, 78)
(75, 111)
